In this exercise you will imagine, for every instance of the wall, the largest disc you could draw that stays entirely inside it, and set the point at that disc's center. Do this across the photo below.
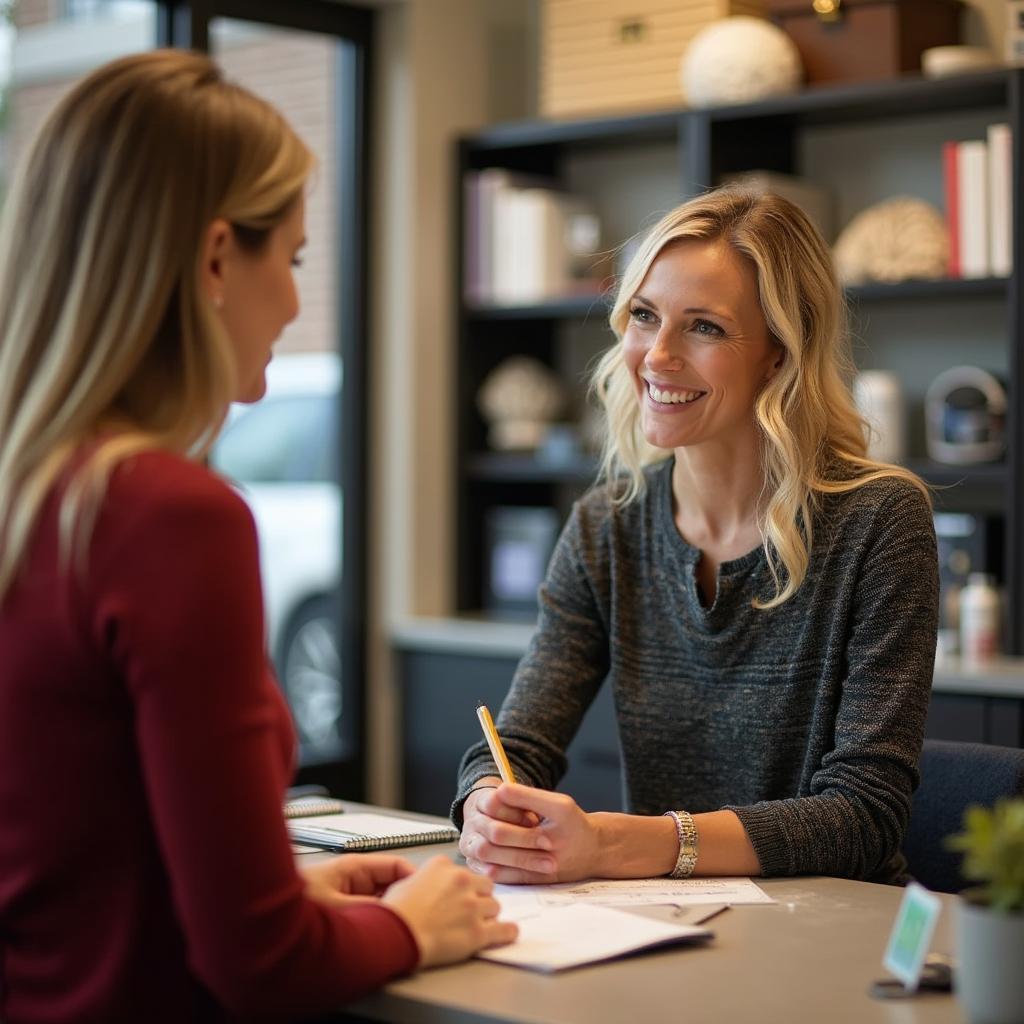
(437, 77)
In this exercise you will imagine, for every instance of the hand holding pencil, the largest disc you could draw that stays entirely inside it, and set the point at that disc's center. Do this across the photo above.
(519, 834)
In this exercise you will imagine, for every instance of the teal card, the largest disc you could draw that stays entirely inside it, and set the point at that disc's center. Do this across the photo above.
(912, 934)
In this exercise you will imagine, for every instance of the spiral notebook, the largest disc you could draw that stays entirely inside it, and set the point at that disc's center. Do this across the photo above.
(346, 833)
(308, 806)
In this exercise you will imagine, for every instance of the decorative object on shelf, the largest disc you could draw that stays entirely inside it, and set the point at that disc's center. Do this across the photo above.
(519, 541)
(895, 240)
(989, 925)
(1015, 32)
(561, 445)
(879, 398)
(980, 615)
(814, 200)
(940, 61)
(620, 55)
(966, 544)
(965, 417)
(739, 60)
(864, 40)
(519, 398)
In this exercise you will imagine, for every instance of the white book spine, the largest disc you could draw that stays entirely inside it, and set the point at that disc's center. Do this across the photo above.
(504, 245)
(1000, 197)
(551, 252)
(491, 183)
(972, 161)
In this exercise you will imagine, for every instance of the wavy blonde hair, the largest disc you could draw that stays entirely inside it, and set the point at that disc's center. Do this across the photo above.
(105, 335)
(813, 438)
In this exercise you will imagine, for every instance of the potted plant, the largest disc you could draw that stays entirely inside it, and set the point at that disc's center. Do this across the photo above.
(990, 916)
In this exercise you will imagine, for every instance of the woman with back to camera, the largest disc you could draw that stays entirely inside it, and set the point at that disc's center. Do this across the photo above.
(146, 255)
(760, 594)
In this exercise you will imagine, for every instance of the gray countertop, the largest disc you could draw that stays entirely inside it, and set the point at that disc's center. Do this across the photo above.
(810, 956)
(479, 635)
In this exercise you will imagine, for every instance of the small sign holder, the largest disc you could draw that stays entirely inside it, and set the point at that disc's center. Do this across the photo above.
(907, 949)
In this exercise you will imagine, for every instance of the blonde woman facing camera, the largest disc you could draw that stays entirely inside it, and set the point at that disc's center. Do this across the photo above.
(759, 594)
(146, 257)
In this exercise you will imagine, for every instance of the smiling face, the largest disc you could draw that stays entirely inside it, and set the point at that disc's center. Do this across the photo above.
(697, 346)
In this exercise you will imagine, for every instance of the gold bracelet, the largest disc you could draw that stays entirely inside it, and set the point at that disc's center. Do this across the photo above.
(687, 833)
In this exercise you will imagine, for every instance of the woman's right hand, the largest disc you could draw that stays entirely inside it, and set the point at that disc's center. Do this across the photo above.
(450, 911)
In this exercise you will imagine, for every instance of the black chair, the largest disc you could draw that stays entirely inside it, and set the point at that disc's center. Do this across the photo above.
(953, 776)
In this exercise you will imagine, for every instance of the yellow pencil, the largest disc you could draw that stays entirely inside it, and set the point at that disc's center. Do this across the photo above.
(494, 742)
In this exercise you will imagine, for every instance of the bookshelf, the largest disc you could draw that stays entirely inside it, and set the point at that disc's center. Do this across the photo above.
(697, 148)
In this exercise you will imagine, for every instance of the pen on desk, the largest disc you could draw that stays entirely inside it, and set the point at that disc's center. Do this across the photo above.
(494, 742)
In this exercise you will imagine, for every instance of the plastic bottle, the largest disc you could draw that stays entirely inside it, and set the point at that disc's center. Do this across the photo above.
(979, 619)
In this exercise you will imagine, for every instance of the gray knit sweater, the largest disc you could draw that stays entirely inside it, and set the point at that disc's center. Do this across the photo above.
(806, 720)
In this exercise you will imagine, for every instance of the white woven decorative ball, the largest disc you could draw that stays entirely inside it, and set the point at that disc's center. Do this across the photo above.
(895, 240)
(520, 397)
(738, 60)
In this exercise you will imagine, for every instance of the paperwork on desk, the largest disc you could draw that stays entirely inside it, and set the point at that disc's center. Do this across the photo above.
(518, 900)
(576, 923)
(557, 938)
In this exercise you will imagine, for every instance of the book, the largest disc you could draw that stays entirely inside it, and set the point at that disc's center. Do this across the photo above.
(308, 806)
(972, 193)
(1000, 198)
(558, 938)
(951, 186)
(347, 833)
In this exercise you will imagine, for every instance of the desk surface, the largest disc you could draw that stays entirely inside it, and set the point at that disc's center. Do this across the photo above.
(810, 957)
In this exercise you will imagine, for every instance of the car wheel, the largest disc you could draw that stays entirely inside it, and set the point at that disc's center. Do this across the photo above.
(310, 671)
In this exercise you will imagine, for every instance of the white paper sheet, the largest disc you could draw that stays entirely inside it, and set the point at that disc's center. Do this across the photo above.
(557, 938)
(521, 901)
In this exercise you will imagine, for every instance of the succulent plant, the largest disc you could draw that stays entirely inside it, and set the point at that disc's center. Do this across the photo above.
(992, 843)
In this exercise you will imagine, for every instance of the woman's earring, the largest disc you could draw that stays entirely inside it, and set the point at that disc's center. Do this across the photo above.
(218, 301)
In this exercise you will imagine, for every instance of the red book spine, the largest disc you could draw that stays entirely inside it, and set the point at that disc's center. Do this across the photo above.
(952, 188)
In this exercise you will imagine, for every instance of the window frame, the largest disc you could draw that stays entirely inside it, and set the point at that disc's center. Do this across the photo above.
(186, 24)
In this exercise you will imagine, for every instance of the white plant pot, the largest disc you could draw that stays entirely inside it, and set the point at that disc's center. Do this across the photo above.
(990, 964)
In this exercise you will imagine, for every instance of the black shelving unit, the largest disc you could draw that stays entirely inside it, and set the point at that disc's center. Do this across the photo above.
(710, 144)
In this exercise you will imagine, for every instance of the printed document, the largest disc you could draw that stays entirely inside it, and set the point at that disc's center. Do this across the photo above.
(520, 901)
(559, 937)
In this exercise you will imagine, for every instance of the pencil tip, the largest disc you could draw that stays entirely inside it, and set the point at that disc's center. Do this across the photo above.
(479, 703)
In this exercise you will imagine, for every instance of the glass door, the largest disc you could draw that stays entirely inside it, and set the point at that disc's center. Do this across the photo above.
(298, 456)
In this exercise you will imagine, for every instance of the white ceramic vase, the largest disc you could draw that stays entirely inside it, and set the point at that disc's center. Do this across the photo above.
(990, 964)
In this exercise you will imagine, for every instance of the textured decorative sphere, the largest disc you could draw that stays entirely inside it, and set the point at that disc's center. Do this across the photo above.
(895, 240)
(737, 60)
(519, 397)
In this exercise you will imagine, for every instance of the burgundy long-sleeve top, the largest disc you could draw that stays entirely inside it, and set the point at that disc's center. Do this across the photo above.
(145, 869)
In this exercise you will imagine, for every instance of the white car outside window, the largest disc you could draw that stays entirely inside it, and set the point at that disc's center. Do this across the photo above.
(282, 455)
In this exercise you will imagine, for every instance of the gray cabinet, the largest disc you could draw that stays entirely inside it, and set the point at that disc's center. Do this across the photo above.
(440, 690)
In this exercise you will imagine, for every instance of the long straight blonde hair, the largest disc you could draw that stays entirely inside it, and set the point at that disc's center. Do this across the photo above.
(813, 440)
(105, 335)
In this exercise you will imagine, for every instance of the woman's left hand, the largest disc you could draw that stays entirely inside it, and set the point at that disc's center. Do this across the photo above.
(570, 835)
(354, 877)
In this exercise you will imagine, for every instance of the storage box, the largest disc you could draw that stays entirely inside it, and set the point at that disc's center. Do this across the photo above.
(866, 39)
(619, 56)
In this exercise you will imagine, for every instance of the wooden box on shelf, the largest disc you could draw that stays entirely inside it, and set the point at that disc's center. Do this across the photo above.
(861, 40)
(615, 56)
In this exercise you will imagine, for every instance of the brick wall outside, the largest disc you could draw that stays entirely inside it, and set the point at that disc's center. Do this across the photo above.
(32, 12)
(294, 71)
